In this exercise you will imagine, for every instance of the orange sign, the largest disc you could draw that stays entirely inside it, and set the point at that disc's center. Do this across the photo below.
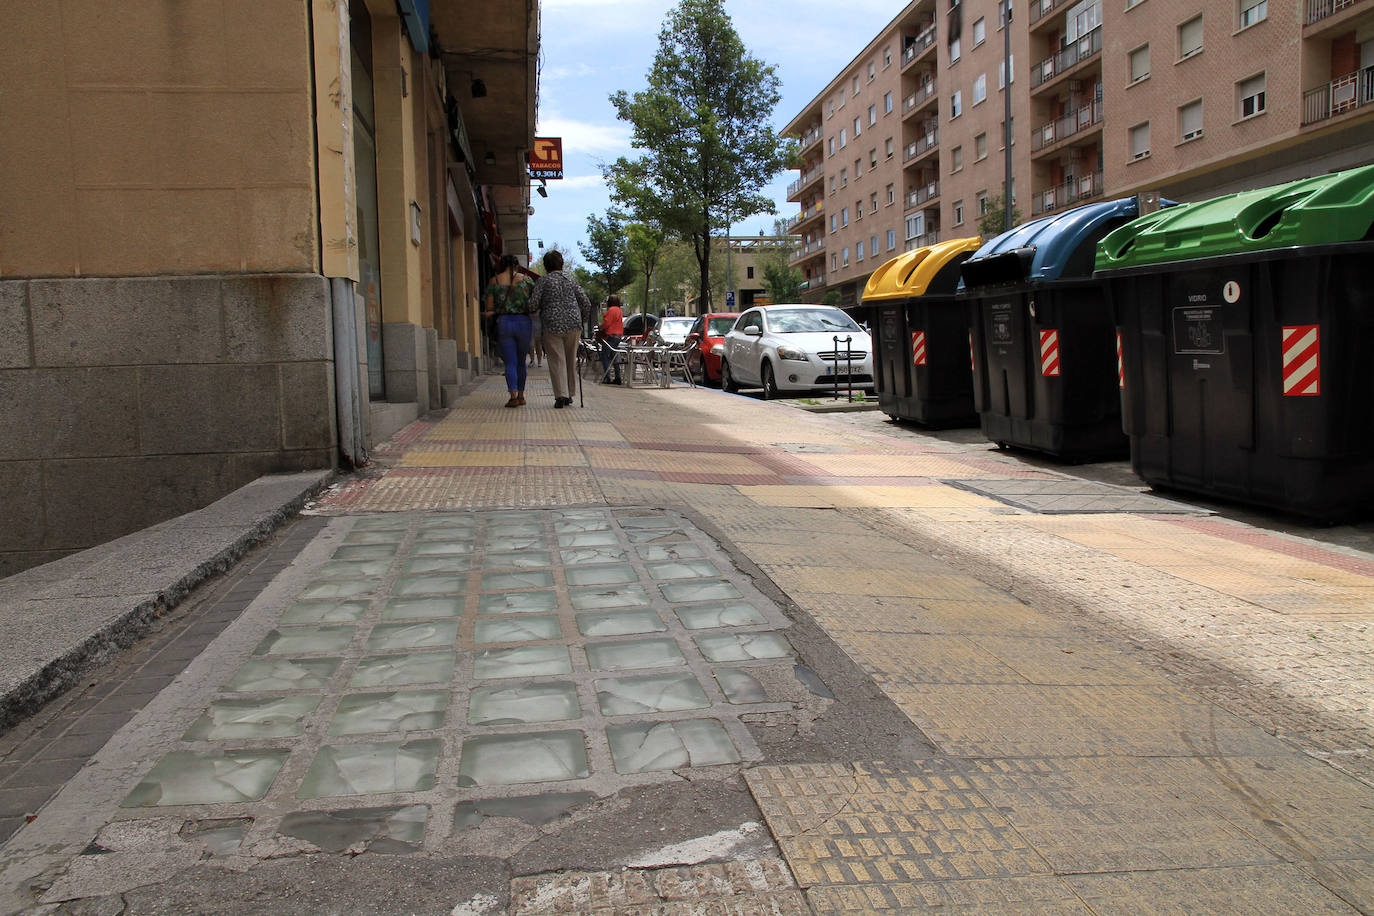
(546, 158)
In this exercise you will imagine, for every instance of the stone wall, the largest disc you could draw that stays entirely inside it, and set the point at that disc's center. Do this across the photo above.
(125, 402)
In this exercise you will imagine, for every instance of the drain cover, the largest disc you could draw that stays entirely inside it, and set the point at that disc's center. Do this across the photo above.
(1064, 496)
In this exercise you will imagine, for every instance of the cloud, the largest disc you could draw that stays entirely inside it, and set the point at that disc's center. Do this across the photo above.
(587, 137)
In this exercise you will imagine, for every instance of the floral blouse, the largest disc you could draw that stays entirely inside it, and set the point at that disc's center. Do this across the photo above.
(513, 299)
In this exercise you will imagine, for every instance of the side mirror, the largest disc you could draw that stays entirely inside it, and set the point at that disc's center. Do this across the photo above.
(754, 331)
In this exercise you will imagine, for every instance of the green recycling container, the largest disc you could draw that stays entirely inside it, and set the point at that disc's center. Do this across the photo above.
(1242, 324)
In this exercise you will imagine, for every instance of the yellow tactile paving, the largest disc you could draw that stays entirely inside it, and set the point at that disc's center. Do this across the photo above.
(1225, 579)
(554, 458)
(931, 496)
(592, 431)
(851, 465)
(483, 459)
(910, 583)
(689, 462)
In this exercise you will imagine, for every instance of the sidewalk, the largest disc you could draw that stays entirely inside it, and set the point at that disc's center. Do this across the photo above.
(1083, 699)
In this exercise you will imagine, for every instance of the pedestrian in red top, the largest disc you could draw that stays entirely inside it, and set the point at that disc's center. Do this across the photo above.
(612, 329)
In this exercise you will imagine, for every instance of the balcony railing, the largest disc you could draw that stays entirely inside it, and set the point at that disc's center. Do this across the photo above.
(923, 241)
(922, 41)
(1317, 10)
(1065, 127)
(807, 213)
(921, 145)
(1042, 8)
(1342, 94)
(1076, 53)
(815, 282)
(806, 179)
(918, 98)
(812, 136)
(807, 251)
(921, 195)
(1069, 194)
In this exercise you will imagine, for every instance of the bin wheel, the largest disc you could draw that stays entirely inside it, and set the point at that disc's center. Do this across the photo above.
(727, 378)
(770, 384)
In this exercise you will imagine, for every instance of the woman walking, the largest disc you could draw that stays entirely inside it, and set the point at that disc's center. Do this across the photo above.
(508, 298)
(562, 307)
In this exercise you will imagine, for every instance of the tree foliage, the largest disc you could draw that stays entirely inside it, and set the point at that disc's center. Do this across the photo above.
(781, 281)
(607, 249)
(702, 124)
(646, 242)
(992, 222)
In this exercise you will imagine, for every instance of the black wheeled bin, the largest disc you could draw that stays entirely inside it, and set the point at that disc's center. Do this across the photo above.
(919, 335)
(1244, 321)
(1043, 341)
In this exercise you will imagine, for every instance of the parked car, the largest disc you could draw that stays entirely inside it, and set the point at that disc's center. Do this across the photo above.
(796, 348)
(639, 325)
(674, 329)
(704, 337)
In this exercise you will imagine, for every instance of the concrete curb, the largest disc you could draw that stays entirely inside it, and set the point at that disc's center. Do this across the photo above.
(835, 406)
(63, 619)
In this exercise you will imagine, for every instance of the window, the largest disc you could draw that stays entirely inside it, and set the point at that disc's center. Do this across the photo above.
(843, 141)
(832, 184)
(954, 49)
(891, 239)
(1190, 120)
(980, 88)
(858, 126)
(982, 203)
(858, 209)
(856, 85)
(1008, 133)
(891, 194)
(872, 115)
(958, 213)
(833, 219)
(980, 147)
(1190, 37)
(1140, 63)
(830, 147)
(887, 102)
(749, 272)
(841, 98)
(873, 158)
(844, 217)
(1002, 10)
(1251, 94)
(859, 250)
(831, 114)
(1140, 141)
(834, 261)
(979, 32)
(873, 245)
(1252, 11)
(873, 202)
(956, 104)
(1002, 72)
(872, 71)
(858, 167)
(887, 58)
(844, 258)
(956, 159)
(887, 148)
(844, 178)
(914, 223)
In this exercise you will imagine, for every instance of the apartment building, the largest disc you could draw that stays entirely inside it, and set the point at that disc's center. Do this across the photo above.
(1186, 98)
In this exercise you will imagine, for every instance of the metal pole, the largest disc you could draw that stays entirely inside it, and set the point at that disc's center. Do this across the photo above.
(849, 365)
(1006, 115)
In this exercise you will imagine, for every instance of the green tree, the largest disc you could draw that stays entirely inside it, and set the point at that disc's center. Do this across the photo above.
(781, 281)
(646, 245)
(607, 249)
(992, 222)
(703, 124)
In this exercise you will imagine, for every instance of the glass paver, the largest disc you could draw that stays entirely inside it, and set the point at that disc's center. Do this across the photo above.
(627, 696)
(447, 563)
(397, 829)
(581, 525)
(526, 628)
(582, 556)
(401, 711)
(647, 521)
(527, 704)
(518, 603)
(404, 670)
(604, 599)
(442, 547)
(634, 653)
(684, 551)
(354, 569)
(535, 810)
(338, 588)
(325, 612)
(682, 569)
(260, 675)
(499, 582)
(580, 514)
(371, 769)
(522, 661)
(431, 584)
(367, 551)
(432, 522)
(517, 530)
(656, 536)
(730, 614)
(706, 590)
(269, 717)
(525, 559)
(642, 747)
(193, 778)
(589, 539)
(511, 544)
(739, 647)
(381, 523)
(620, 623)
(305, 640)
(740, 686)
(502, 760)
(619, 574)
(432, 606)
(372, 538)
(431, 633)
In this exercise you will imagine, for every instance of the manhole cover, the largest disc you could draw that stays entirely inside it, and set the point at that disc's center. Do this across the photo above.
(1066, 496)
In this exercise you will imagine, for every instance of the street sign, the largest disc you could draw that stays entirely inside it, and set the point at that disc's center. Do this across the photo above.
(730, 300)
(546, 158)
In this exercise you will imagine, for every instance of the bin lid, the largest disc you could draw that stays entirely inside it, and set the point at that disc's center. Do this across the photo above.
(1325, 209)
(1049, 248)
(913, 273)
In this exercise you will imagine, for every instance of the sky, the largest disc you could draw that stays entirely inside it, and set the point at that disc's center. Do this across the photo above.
(592, 48)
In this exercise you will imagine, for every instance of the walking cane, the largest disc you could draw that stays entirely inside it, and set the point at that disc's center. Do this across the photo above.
(580, 402)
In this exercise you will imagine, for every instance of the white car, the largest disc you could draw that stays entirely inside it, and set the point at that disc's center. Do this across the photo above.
(673, 329)
(795, 348)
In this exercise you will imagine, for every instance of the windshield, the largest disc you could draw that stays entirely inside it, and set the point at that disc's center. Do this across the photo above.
(674, 329)
(721, 325)
(802, 321)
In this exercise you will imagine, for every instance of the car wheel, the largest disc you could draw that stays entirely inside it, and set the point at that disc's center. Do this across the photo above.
(727, 378)
(770, 384)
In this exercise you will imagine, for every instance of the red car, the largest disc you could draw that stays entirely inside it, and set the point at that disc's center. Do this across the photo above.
(706, 334)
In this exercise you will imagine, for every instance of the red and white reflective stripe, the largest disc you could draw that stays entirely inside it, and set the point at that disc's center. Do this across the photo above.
(1049, 352)
(918, 347)
(1302, 366)
(1120, 364)
(971, 360)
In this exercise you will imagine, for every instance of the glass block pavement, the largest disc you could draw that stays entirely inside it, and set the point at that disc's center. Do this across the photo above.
(432, 665)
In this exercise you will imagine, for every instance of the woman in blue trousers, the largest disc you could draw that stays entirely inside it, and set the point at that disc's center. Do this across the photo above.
(508, 298)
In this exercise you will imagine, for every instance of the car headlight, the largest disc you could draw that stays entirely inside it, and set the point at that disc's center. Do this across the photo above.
(791, 353)
(718, 350)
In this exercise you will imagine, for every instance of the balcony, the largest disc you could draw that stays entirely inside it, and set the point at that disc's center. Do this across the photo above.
(808, 251)
(919, 45)
(924, 241)
(921, 146)
(1317, 10)
(810, 139)
(1070, 194)
(806, 179)
(918, 99)
(922, 196)
(807, 214)
(1075, 122)
(1068, 58)
(1343, 94)
(1039, 9)
(815, 282)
